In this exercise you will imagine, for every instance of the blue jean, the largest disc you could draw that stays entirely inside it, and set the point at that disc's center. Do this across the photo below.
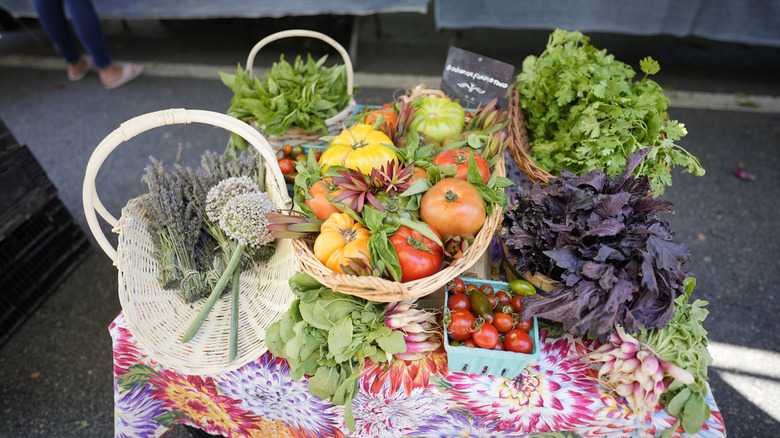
(51, 14)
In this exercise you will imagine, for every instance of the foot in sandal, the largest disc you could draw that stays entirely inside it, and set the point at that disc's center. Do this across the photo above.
(119, 74)
(80, 68)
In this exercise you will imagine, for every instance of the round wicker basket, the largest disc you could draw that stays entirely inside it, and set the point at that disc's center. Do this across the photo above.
(157, 317)
(520, 146)
(295, 135)
(382, 290)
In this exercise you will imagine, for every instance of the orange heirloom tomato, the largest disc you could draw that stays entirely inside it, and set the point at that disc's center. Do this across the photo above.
(453, 206)
(359, 147)
(460, 157)
(340, 239)
(321, 193)
(386, 115)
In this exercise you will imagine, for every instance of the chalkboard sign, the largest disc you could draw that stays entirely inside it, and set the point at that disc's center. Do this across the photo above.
(475, 79)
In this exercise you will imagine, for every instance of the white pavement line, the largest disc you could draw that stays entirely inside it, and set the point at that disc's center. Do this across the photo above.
(755, 374)
(678, 98)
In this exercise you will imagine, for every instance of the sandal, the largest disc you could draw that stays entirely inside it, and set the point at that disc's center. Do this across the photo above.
(88, 66)
(130, 71)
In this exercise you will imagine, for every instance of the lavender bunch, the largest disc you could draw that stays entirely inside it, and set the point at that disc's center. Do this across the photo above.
(239, 207)
(176, 219)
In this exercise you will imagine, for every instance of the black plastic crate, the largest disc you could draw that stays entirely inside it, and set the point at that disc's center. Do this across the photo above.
(26, 188)
(35, 260)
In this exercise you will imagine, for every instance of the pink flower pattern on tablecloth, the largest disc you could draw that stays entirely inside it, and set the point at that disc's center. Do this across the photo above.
(558, 393)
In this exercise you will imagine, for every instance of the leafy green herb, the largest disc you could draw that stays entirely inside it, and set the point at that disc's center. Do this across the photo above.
(301, 95)
(603, 238)
(584, 111)
(329, 336)
(683, 342)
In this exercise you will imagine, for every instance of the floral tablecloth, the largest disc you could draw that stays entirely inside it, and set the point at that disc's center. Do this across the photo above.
(558, 397)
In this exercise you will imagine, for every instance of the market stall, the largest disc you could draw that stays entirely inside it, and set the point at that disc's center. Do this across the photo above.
(291, 287)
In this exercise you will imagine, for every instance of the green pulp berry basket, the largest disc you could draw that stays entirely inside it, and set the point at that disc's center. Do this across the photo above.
(475, 360)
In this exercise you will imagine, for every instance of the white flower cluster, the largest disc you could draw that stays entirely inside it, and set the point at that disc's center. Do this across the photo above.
(243, 219)
(221, 193)
(239, 207)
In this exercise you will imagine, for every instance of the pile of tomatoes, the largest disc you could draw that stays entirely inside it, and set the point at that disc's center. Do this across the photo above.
(479, 316)
(288, 156)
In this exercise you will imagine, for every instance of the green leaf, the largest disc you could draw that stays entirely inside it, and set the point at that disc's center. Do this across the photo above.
(392, 343)
(340, 335)
(677, 403)
(422, 228)
(695, 412)
(649, 66)
(324, 382)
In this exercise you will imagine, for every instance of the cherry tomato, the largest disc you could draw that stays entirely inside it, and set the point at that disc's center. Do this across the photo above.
(516, 304)
(486, 336)
(503, 297)
(491, 299)
(518, 341)
(301, 157)
(504, 308)
(487, 289)
(286, 148)
(458, 286)
(461, 323)
(459, 302)
(469, 343)
(522, 287)
(280, 155)
(526, 325)
(297, 151)
(503, 322)
(499, 346)
(287, 166)
(472, 286)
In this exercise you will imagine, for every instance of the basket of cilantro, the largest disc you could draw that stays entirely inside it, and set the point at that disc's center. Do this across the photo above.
(200, 276)
(293, 103)
(577, 108)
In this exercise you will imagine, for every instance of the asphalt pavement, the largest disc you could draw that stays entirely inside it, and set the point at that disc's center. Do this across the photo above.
(55, 372)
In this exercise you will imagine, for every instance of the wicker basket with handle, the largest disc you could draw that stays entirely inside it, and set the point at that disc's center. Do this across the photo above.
(158, 317)
(383, 290)
(520, 146)
(296, 135)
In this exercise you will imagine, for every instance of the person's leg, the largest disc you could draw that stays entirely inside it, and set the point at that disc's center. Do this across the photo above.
(52, 18)
(89, 30)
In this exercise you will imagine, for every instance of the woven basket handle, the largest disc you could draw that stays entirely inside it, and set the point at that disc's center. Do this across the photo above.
(250, 60)
(145, 122)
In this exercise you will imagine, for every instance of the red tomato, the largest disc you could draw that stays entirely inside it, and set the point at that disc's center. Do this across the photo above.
(469, 343)
(516, 304)
(526, 325)
(486, 336)
(492, 300)
(459, 302)
(286, 148)
(453, 198)
(418, 255)
(471, 286)
(457, 286)
(503, 297)
(460, 157)
(504, 308)
(287, 165)
(499, 346)
(487, 288)
(503, 322)
(461, 323)
(518, 341)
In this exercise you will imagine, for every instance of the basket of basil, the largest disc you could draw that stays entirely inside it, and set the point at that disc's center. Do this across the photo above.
(294, 103)
(576, 107)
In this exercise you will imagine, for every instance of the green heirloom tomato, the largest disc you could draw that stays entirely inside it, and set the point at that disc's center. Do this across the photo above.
(438, 117)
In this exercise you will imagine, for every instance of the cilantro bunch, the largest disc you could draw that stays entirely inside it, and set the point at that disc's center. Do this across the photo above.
(584, 111)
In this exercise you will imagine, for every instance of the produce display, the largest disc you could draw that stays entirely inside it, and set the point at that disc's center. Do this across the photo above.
(584, 110)
(384, 194)
(402, 192)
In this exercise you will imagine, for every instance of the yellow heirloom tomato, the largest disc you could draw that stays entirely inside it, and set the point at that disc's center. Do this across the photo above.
(359, 147)
(340, 239)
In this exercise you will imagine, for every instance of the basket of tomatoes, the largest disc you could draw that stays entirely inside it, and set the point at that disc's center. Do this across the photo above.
(288, 156)
(403, 200)
(484, 334)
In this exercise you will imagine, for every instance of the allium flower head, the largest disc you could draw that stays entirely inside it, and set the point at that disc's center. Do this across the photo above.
(243, 218)
(221, 193)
